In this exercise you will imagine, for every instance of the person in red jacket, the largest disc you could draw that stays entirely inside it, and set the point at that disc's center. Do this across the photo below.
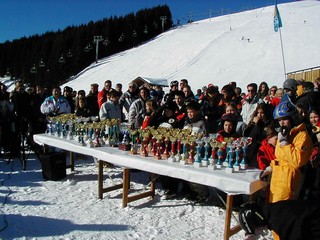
(102, 95)
(266, 151)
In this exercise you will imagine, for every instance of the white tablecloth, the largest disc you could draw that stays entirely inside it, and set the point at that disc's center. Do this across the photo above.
(243, 182)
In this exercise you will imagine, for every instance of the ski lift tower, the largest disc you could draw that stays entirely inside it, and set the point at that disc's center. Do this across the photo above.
(163, 20)
(96, 40)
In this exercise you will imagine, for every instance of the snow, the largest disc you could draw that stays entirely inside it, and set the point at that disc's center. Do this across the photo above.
(208, 52)
(203, 52)
(34, 208)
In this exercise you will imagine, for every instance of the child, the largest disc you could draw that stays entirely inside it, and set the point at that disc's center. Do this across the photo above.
(229, 121)
(195, 120)
(111, 109)
(151, 108)
(266, 151)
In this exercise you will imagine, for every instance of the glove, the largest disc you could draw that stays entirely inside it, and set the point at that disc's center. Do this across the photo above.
(264, 175)
(283, 136)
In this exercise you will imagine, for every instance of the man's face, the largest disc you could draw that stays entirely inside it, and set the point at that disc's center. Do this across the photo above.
(132, 88)
(56, 93)
(94, 89)
(182, 84)
(179, 100)
(186, 91)
(107, 86)
(251, 92)
(174, 88)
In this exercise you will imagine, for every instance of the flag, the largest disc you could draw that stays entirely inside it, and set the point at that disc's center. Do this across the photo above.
(277, 19)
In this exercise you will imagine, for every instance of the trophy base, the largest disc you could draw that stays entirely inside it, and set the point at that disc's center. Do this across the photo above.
(244, 166)
(229, 170)
(212, 167)
(236, 168)
(133, 152)
(178, 157)
(218, 166)
(205, 163)
(172, 159)
(165, 156)
(183, 162)
(225, 164)
(197, 164)
(124, 147)
(70, 138)
(157, 157)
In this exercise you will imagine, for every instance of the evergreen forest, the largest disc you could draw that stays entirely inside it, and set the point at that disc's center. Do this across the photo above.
(52, 58)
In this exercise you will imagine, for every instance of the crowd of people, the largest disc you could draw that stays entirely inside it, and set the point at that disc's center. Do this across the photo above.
(283, 121)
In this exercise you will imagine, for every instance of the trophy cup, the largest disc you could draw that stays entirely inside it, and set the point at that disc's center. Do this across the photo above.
(166, 153)
(191, 151)
(158, 146)
(172, 157)
(243, 163)
(230, 153)
(178, 155)
(205, 160)
(236, 165)
(226, 160)
(133, 134)
(213, 158)
(82, 142)
(220, 156)
(184, 155)
(197, 159)
(125, 144)
(144, 144)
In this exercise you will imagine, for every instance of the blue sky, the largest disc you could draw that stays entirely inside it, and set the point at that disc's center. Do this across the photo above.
(21, 18)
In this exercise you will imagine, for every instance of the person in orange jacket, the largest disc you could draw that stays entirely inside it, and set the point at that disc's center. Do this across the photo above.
(293, 150)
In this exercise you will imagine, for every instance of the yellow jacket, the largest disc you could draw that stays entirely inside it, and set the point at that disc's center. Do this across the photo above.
(286, 177)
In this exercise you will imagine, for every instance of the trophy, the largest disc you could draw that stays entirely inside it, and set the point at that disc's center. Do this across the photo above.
(197, 159)
(191, 151)
(158, 146)
(144, 144)
(245, 142)
(166, 153)
(184, 155)
(125, 144)
(220, 156)
(172, 157)
(236, 165)
(205, 160)
(133, 134)
(213, 158)
(178, 155)
(230, 154)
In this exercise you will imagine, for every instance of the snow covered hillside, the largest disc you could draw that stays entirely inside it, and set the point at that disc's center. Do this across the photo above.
(241, 47)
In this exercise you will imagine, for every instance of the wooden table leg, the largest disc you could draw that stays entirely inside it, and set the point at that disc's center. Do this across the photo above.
(100, 179)
(72, 161)
(126, 186)
(228, 232)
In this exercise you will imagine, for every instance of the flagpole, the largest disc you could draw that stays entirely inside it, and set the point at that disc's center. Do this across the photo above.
(283, 61)
(278, 26)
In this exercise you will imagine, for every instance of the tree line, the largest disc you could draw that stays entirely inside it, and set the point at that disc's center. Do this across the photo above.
(51, 58)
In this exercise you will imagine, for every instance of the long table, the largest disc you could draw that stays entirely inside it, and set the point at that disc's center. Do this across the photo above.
(242, 182)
